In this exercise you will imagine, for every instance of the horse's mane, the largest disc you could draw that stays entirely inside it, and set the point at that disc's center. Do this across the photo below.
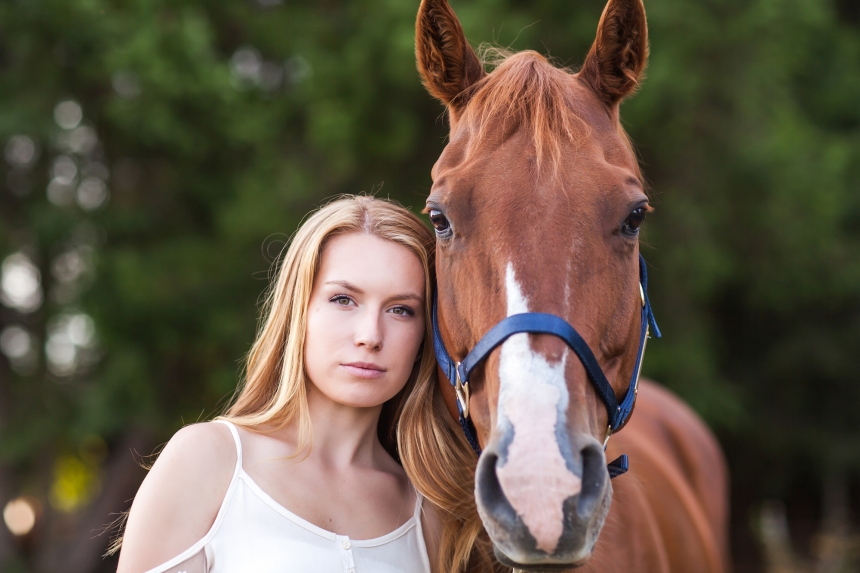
(529, 90)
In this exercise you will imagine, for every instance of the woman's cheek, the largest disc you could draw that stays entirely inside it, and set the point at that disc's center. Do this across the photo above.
(409, 339)
(325, 333)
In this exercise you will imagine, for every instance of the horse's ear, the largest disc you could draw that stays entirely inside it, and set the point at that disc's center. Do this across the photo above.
(446, 61)
(616, 62)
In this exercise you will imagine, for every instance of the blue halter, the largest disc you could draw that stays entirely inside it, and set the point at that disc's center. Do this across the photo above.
(542, 323)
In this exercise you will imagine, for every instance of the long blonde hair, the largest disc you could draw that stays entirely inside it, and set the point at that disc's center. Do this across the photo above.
(441, 464)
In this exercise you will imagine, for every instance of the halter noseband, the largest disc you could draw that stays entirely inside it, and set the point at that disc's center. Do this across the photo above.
(542, 323)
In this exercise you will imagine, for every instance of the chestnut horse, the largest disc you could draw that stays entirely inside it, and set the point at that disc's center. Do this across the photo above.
(537, 202)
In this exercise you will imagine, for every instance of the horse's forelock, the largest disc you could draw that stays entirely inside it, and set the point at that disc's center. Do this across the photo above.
(528, 90)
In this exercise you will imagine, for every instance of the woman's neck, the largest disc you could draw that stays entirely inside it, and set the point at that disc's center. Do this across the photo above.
(342, 435)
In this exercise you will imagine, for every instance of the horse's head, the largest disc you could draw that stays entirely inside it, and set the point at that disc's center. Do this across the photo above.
(537, 201)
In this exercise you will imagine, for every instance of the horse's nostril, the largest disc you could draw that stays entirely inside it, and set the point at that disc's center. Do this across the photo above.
(594, 477)
(488, 482)
(489, 490)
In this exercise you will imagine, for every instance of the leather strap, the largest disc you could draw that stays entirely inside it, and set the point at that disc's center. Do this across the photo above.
(543, 323)
(618, 466)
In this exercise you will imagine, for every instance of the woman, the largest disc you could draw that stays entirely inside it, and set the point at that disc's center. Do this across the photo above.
(302, 473)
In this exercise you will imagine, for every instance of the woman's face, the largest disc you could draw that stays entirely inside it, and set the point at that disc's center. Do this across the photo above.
(365, 320)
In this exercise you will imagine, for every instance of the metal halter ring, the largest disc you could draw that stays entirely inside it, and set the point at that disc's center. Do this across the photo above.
(462, 390)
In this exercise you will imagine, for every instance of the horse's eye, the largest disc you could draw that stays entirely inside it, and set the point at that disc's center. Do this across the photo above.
(440, 222)
(634, 220)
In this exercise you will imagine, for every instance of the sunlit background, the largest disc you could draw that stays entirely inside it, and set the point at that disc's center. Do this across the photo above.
(157, 155)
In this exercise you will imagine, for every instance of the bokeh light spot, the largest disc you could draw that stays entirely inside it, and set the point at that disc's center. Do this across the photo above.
(245, 66)
(68, 114)
(15, 342)
(92, 193)
(69, 266)
(81, 330)
(19, 347)
(70, 343)
(75, 483)
(20, 283)
(82, 140)
(126, 84)
(297, 69)
(64, 169)
(21, 151)
(60, 193)
(20, 515)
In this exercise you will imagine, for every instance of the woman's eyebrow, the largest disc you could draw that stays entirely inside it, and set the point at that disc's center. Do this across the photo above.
(407, 296)
(347, 285)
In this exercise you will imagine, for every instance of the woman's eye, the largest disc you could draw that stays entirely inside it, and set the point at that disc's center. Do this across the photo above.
(634, 221)
(440, 222)
(402, 311)
(341, 300)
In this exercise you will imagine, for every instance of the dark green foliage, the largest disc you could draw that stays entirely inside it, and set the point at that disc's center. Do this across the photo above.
(748, 126)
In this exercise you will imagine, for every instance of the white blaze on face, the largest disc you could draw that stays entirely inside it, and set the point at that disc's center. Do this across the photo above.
(533, 398)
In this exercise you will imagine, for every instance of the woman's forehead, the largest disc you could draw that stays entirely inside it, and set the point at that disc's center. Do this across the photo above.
(371, 263)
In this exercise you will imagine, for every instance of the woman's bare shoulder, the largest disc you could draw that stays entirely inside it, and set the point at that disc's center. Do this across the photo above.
(178, 501)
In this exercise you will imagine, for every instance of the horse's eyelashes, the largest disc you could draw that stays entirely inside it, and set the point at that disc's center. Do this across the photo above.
(440, 222)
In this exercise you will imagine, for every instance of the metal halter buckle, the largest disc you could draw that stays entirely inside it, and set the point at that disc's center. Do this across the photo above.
(462, 390)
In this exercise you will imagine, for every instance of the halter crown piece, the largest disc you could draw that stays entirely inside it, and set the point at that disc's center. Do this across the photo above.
(542, 323)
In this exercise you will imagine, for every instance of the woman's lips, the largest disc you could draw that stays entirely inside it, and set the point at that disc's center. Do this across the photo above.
(364, 369)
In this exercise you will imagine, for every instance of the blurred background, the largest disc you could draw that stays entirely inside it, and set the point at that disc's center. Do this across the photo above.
(158, 154)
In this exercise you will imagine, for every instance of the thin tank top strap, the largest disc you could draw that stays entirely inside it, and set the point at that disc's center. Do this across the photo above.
(419, 499)
(419, 531)
(236, 439)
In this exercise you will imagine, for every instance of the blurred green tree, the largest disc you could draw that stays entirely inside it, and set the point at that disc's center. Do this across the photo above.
(158, 155)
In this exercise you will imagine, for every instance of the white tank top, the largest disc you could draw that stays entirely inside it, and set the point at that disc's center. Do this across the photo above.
(253, 533)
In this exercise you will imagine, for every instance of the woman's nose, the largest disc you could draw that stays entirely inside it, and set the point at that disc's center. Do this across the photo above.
(369, 330)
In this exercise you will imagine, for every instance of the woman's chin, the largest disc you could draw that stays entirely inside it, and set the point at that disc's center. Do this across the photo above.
(359, 393)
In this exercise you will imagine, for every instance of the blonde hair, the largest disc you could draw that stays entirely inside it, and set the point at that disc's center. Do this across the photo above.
(441, 464)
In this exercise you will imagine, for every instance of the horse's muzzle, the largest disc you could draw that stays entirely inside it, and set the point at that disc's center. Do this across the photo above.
(530, 536)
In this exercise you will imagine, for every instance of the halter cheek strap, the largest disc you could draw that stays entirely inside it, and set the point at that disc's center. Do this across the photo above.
(542, 323)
